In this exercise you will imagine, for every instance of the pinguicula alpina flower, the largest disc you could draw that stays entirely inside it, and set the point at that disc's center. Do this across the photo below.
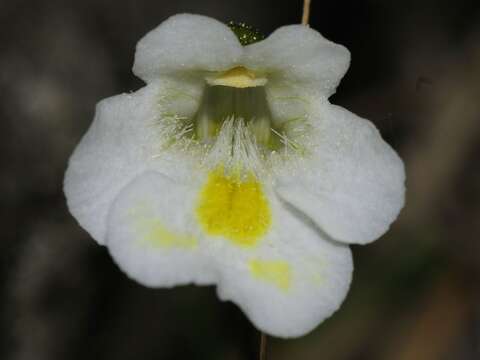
(231, 168)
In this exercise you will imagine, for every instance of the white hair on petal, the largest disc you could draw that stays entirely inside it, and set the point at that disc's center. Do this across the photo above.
(235, 148)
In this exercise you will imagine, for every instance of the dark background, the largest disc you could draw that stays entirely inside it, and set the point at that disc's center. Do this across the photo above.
(415, 73)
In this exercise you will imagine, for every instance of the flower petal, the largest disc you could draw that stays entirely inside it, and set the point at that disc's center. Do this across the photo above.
(297, 55)
(352, 184)
(291, 281)
(287, 282)
(120, 144)
(186, 42)
(151, 234)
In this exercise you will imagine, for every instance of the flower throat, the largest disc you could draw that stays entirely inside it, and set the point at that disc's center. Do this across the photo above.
(248, 105)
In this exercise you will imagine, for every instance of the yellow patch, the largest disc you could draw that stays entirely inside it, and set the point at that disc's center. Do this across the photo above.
(159, 235)
(276, 272)
(234, 207)
(155, 233)
(238, 77)
(314, 270)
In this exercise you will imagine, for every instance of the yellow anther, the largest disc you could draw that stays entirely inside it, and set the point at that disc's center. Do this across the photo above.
(238, 77)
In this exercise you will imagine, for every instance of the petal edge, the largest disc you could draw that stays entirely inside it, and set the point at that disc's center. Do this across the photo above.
(352, 186)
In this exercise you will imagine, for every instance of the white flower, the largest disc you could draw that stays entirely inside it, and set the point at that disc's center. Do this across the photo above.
(232, 168)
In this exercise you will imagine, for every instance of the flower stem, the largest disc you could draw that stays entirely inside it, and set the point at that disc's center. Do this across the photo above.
(306, 12)
(262, 354)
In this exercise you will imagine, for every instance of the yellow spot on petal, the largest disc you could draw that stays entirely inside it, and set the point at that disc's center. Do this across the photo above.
(153, 232)
(314, 270)
(238, 77)
(159, 235)
(275, 272)
(317, 278)
(234, 207)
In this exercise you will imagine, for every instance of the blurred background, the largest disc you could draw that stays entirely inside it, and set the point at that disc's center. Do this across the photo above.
(415, 73)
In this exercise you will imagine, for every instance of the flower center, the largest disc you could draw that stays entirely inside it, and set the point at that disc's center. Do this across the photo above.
(231, 107)
(236, 94)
